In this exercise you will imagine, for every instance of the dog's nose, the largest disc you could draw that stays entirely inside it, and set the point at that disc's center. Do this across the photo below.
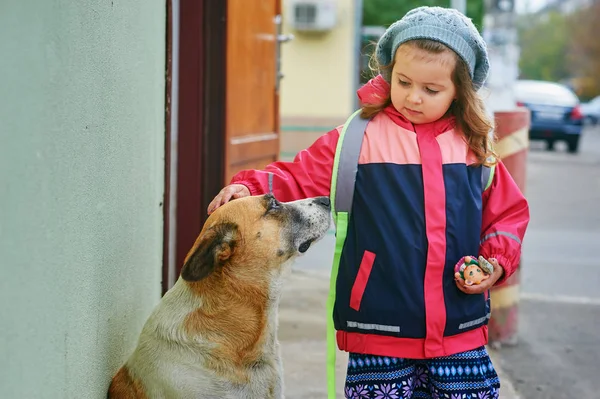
(323, 201)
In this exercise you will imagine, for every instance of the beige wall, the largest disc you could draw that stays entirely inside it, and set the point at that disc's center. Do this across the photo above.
(318, 90)
(81, 187)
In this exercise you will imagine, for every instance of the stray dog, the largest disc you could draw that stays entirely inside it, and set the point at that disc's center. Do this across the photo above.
(214, 334)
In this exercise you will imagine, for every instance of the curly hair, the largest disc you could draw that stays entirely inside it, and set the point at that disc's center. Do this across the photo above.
(468, 108)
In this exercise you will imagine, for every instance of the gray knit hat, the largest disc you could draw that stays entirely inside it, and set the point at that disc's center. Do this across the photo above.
(444, 25)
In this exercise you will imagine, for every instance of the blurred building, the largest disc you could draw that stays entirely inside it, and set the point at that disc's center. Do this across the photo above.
(564, 6)
(321, 68)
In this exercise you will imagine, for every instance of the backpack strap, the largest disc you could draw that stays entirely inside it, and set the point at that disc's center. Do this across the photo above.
(345, 164)
(343, 177)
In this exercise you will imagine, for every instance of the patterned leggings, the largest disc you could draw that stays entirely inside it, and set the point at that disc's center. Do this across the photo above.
(464, 375)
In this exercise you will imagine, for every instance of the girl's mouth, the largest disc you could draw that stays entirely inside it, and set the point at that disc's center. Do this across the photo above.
(412, 112)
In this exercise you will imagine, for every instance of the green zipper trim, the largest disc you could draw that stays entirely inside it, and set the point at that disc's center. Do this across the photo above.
(491, 178)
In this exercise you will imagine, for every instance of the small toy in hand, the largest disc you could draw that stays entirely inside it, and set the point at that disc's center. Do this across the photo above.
(473, 271)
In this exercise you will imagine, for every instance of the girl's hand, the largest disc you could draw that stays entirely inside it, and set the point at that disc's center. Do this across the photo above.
(485, 284)
(232, 191)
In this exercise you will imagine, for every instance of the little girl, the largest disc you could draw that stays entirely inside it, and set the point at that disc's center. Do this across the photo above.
(420, 205)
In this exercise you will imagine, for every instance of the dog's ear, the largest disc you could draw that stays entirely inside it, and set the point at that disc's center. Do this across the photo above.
(214, 249)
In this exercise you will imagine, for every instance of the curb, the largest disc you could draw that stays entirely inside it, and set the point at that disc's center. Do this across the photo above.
(507, 388)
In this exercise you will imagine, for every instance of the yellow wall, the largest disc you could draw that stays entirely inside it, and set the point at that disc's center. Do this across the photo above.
(318, 91)
(319, 69)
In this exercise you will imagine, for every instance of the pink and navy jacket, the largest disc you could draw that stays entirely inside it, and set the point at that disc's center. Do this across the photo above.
(419, 206)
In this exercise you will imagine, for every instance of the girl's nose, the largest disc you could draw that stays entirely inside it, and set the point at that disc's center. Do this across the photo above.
(413, 97)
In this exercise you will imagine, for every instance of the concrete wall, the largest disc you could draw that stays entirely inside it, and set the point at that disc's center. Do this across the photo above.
(81, 185)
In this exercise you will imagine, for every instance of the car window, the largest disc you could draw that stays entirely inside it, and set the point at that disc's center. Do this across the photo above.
(544, 93)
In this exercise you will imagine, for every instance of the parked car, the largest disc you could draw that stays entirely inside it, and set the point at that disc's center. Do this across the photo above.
(591, 111)
(555, 112)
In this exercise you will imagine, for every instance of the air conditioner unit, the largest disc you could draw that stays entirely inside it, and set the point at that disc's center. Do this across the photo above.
(312, 15)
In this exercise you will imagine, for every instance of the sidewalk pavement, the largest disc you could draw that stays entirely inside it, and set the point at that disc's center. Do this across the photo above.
(302, 321)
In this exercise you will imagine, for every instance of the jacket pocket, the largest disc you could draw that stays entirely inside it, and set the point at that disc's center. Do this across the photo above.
(358, 288)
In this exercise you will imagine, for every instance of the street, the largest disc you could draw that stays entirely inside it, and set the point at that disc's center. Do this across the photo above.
(558, 350)
(558, 353)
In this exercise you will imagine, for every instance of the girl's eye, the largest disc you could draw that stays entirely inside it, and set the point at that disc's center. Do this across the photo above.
(430, 91)
(403, 83)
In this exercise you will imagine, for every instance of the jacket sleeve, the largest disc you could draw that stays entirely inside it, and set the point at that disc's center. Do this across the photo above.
(309, 175)
(505, 219)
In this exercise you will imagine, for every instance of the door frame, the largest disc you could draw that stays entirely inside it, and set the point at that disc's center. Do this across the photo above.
(194, 123)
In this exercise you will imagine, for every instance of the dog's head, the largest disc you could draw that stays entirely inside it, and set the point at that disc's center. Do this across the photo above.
(258, 231)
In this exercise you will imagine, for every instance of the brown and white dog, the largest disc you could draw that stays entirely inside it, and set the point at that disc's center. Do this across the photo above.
(214, 334)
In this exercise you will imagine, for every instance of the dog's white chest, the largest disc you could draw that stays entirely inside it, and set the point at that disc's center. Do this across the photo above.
(178, 371)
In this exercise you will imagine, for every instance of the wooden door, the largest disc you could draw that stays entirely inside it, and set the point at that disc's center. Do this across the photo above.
(227, 114)
(252, 103)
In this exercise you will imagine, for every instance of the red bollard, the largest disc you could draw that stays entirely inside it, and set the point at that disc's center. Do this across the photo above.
(512, 132)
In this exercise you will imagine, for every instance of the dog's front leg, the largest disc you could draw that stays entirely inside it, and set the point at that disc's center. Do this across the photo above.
(278, 383)
(266, 381)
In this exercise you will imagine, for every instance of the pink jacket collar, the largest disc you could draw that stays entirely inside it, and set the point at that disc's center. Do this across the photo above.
(377, 89)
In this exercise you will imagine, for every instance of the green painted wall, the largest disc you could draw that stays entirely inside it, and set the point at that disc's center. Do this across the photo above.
(81, 185)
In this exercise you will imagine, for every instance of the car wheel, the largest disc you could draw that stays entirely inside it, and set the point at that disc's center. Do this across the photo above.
(550, 145)
(573, 144)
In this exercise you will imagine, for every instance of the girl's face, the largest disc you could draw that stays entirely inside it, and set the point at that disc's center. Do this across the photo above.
(421, 88)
